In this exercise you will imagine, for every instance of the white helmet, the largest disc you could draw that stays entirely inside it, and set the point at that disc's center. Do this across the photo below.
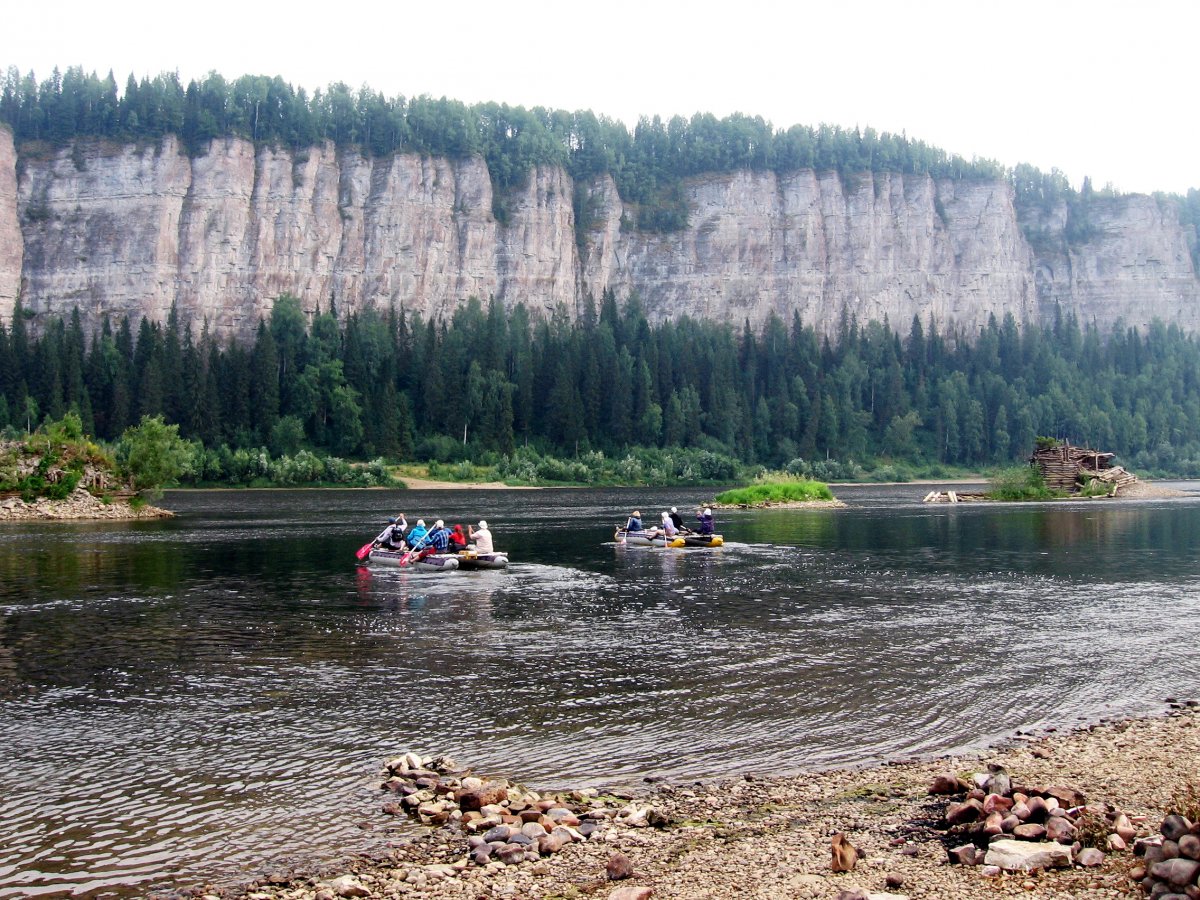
(439, 524)
(707, 511)
(673, 509)
(483, 523)
(421, 522)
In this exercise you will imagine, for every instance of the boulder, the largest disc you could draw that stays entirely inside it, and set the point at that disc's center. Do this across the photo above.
(964, 855)
(1179, 872)
(631, 893)
(1025, 856)
(1090, 856)
(1174, 827)
(348, 886)
(618, 867)
(946, 783)
(993, 824)
(995, 803)
(961, 813)
(998, 781)
(845, 855)
(489, 794)
(1123, 827)
(1059, 828)
(1066, 796)
(1030, 831)
(1189, 846)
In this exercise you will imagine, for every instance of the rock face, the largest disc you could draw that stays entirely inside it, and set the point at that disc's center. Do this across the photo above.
(132, 229)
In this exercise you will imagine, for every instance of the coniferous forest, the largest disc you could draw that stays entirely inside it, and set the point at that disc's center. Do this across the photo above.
(505, 387)
(648, 164)
(495, 386)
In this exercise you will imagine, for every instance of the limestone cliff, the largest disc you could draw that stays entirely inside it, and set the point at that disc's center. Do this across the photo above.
(133, 229)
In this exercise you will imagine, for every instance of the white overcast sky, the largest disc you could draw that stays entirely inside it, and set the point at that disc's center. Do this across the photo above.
(1099, 88)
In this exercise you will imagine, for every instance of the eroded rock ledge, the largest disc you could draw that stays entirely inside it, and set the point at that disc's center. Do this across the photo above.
(79, 506)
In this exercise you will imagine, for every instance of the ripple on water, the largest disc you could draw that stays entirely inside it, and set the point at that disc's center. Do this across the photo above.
(230, 681)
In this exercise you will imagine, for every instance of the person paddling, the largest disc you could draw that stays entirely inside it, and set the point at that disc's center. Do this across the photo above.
(438, 538)
(393, 538)
(418, 533)
(668, 526)
(481, 537)
(635, 521)
(707, 524)
(677, 520)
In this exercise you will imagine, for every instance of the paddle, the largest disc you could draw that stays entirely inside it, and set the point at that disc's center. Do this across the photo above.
(414, 548)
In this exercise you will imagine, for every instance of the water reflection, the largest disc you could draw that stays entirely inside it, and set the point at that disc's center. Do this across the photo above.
(230, 679)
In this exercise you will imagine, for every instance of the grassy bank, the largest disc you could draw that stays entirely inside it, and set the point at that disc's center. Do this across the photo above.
(769, 492)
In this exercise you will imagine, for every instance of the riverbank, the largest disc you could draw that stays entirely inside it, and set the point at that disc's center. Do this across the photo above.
(783, 504)
(79, 506)
(427, 484)
(770, 837)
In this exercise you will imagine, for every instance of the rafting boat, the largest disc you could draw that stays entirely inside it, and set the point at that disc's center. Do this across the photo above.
(404, 559)
(469, 559)
(654, 538)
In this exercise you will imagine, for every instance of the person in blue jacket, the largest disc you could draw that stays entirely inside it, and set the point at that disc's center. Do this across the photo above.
(418, 533)
(635, 521)
(707, 524)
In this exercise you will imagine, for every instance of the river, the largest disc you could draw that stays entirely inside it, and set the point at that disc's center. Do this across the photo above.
(211, 697)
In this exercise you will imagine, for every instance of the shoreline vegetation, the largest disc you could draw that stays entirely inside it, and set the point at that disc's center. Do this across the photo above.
(57, 472)
(786, 493)
(770, 836)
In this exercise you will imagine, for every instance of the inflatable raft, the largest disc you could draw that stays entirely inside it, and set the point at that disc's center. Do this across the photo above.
(469, 559)
(657, 539)
(404, 559)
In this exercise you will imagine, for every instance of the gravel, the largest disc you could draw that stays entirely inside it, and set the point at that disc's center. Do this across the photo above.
(770, 837)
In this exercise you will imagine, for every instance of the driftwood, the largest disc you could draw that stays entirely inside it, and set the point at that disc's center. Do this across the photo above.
(953, 497)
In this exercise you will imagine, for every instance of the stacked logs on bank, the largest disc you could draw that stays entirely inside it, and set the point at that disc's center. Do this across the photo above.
(504, 822)
(1170, 868)
(1066, 468)
(1023, 827)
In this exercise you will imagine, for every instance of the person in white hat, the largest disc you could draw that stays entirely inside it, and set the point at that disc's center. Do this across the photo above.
(707, 525)
(668, 527)
(676, 519)
(481, 537)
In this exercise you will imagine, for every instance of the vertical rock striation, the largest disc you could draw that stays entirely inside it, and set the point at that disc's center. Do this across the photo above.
(128, 229)
(12, 244)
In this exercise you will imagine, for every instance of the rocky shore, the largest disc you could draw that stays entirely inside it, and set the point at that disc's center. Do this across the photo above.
(783, 504)
(880, 832)
(80, 505)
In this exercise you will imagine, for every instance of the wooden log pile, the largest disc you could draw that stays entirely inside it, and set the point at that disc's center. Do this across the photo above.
(1065, 468)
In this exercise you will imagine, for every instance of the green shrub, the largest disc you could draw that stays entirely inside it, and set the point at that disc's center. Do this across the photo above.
(1020, 483)
(799, 491)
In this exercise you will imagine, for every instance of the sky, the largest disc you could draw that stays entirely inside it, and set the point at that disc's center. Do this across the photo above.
(1094, 88)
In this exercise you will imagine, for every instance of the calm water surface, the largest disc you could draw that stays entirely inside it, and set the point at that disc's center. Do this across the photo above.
(207, 698)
